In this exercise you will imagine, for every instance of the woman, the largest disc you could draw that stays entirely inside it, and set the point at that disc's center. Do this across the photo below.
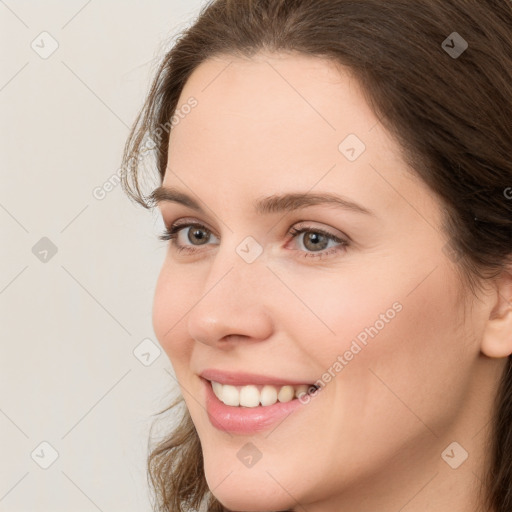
(336, 299)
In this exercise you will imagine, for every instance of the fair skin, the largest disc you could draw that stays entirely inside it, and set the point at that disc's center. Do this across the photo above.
(372, 439)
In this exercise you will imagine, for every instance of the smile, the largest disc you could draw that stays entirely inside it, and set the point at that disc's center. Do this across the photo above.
(249, 419)
(253, 395)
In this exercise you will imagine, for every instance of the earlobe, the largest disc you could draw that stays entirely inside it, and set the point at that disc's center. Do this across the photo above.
(497, 336)
(497, 339)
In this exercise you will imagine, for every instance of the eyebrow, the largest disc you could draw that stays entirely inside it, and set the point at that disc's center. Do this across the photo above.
(266, 205)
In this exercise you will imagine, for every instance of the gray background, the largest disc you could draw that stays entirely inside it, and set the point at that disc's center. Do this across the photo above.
(73, 373)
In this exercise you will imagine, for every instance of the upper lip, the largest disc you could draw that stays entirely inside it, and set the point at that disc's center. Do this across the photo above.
(244, 378)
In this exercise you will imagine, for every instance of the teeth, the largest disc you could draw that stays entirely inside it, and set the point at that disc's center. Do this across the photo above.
(286, 393)
(253, 396)
(268, 395)
(231, 395)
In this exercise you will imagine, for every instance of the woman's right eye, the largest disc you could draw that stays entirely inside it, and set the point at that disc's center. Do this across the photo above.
(187, 236)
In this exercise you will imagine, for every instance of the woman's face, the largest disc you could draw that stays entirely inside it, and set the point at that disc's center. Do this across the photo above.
(364, 301)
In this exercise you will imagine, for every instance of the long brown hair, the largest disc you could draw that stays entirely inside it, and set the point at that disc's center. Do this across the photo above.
(451, 112)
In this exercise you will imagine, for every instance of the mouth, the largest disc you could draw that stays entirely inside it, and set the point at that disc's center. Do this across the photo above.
(245, 403)
(250, 408)
(256, 395)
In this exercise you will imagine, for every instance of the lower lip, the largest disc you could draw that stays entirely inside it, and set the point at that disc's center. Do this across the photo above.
(246, 420)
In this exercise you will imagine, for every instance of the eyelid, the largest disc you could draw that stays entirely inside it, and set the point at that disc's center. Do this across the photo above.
(187, 222)
(311, 226)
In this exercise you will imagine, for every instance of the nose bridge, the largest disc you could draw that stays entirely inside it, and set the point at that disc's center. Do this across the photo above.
(233, 299)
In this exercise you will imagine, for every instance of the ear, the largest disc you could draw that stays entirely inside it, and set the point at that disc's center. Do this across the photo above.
(497, 337)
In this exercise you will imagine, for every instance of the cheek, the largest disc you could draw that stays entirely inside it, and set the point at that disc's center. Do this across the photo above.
(411, 374)
(391, 352)
(172, 299)
(340, 311)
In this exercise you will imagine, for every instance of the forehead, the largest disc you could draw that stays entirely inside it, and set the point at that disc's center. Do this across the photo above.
(280, 122)
(276, 92)
(273, 107)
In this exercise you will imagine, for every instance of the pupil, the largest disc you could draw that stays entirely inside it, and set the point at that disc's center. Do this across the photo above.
(198, 235)
(319, 241)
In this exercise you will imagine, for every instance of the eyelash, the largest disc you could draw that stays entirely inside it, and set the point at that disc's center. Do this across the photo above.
(170, 234)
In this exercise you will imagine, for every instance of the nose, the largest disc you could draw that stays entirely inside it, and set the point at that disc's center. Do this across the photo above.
(233, 303)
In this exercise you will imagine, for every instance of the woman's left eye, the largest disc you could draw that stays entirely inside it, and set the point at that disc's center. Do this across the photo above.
(317, 242)
(312, 241)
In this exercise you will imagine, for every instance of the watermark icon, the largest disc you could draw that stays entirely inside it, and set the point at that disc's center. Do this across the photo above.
(44, 455)
(508, 193)
(454, 455)
(249, 455)
(44, 45)
(44, 250)
(355, 348)
(147, 352)
(352, 147)
(454, 45)
(249, 249)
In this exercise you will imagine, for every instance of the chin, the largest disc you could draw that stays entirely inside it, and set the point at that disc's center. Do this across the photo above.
(241, 501)
(243, 491)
